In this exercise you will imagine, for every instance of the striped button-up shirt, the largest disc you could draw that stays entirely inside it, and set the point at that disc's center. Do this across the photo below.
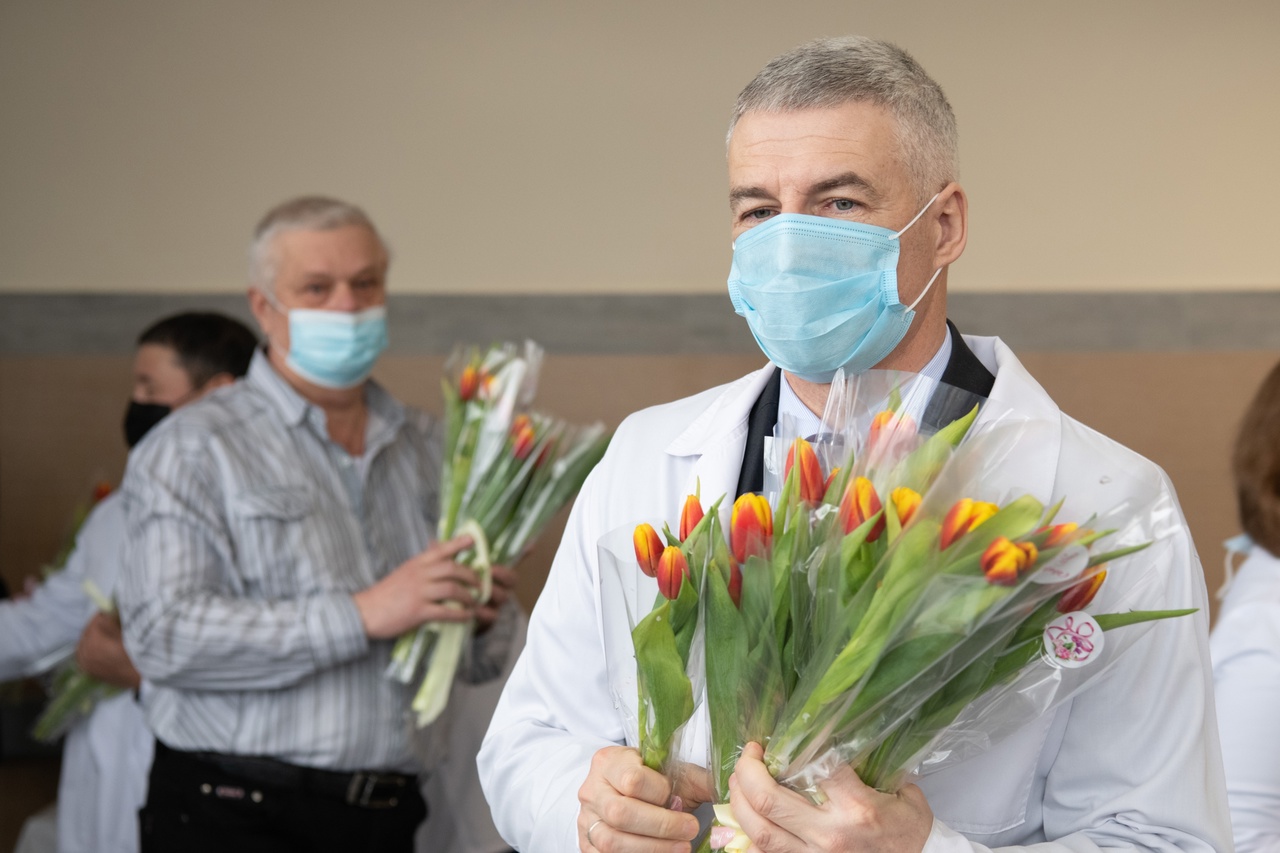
(248, 532)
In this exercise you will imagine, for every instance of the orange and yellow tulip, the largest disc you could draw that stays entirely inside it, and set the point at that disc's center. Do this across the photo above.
(810, 488)
(469, 383)
(888, 424)
(966, 515)
(750, 526)
(522, 436)
(1059, 534)
(648, 547)
(1004, 560)
(672, 570)
(859, 504)
(905, 502)
(690, 516)
(1079, 596)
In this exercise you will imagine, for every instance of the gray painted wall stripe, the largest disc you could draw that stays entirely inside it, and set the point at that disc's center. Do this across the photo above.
(91, 324)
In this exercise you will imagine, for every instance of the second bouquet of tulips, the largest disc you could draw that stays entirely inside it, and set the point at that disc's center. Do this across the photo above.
(506, 471)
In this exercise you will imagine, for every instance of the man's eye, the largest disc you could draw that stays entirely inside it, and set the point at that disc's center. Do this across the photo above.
(844, 204)
(759, 213)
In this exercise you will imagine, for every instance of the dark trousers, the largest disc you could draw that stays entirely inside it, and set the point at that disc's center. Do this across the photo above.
(203, 803)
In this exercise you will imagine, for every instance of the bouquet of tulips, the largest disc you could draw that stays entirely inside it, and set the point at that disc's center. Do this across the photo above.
(901, 597)
(918, 621)
(662, 667)
(74, 693)
(506, 471)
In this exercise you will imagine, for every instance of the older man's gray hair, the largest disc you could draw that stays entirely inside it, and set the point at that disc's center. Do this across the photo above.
(834, 71)
(305, 213)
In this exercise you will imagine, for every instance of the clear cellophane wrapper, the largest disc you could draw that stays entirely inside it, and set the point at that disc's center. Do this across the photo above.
(925, 661)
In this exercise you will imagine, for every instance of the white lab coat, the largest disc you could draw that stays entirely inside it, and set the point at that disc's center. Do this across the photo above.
(105, 758)
(1132, 763)
(1246, 676)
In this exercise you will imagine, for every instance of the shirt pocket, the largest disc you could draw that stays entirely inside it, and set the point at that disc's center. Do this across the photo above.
(271, 539)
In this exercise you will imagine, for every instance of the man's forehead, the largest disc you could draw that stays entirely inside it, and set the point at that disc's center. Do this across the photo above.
(854, 144)
(319, 247)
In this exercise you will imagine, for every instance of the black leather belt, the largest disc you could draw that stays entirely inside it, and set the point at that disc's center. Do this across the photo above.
(362, 788)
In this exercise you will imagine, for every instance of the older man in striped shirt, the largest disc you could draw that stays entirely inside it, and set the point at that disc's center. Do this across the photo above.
(279, 539)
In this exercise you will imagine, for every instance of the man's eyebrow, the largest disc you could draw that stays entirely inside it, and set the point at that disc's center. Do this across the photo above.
(741, 194)
(847, 179)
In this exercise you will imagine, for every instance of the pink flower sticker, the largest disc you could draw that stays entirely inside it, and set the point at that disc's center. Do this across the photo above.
(1073, 640)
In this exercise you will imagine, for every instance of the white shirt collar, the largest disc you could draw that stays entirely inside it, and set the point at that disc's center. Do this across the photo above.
(806, 423)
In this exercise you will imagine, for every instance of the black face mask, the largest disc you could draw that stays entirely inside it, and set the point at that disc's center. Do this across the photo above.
(139, 418)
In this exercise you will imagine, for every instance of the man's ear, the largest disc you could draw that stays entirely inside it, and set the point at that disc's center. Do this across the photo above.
(259, 305)
(953, 225)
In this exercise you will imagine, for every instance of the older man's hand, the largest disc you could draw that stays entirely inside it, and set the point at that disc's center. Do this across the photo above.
(429, 587)
(855, 816)
(624, 806)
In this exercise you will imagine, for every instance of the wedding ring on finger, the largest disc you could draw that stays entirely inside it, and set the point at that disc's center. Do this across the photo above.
(593, 826)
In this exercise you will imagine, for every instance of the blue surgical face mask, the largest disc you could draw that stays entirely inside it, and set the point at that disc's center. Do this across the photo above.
(336, 349)
(820, 294)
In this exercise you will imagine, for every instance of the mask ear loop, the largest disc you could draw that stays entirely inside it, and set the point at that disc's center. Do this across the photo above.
(918, 215)
(913, 305)
(936, 272)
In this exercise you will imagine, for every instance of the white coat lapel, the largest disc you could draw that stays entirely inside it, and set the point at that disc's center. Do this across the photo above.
(717, 439)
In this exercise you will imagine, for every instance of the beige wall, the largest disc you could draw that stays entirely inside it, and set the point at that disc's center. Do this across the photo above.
(576, 146)
(1180, 409)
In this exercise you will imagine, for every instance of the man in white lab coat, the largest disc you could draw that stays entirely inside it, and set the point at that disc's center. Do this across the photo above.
(846, 215)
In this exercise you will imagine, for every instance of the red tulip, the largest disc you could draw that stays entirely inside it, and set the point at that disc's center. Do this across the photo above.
(859, 504)
(964, 517)
(735, 585)
(648, 547)
(1079, 596)
(750, 526)
(810, 487)
(1004, 560)
(100, 490)
(672, 570)
(690, 516)
(905, 502)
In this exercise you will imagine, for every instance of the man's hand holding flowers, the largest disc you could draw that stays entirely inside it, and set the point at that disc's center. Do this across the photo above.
(627, 806)
(855, 816)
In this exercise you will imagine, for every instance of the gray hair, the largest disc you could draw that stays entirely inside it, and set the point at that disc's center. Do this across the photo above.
(305, 213)
(834, 71)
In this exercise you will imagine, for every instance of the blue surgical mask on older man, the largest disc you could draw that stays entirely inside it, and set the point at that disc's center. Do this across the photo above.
(336, 349)
(821, 294)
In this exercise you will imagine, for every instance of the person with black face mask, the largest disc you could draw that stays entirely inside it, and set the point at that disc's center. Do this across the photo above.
(106, 756)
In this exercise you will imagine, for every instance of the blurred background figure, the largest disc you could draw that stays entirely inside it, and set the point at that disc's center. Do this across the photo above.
(106, 755)
(1246, 641)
